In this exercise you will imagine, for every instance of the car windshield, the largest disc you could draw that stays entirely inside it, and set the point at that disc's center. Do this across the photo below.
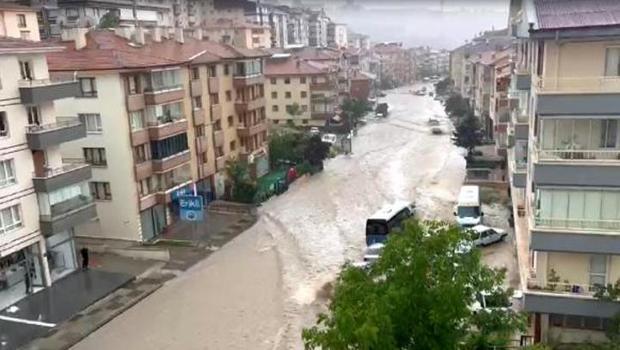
(471, 212)
(376, 227)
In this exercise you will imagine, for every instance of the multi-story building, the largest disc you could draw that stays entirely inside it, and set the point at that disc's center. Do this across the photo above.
(567, 81)
(337, 35)
(501, 103)
(247, 35)
(298, 28)
(299, 92)
(276, 17)
(163, 117)
(396, 66)
(44, 197)
(483, 74)
(17, 21)
(317, 28)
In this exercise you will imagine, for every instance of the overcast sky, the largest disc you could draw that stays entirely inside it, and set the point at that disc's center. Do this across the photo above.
(440, 24)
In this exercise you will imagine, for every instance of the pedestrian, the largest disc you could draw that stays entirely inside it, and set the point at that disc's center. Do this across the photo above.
(27, 280)
(84, 254)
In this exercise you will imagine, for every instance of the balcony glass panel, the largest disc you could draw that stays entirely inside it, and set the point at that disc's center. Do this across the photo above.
(164, 114)
(174, 178)
(579, 139)
(63, 200)
(248, 68)
(162, 80)
(578, 209)
(168, 147)
(521, 154)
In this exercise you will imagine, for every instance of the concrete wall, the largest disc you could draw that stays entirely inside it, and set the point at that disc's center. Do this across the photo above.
(571, 335)
(295, 88)
(119, 217)
(9, 21)
(566, 59)
(575, 267)
(228, 109)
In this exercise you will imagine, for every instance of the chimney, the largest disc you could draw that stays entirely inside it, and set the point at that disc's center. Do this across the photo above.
(139, 32)
(77, 35)
(178, 35)
(156, 34)
(198, 33)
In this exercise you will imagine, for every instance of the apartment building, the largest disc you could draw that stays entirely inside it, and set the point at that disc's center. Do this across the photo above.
(396, 65)
(168, 114)
(317, 28)
(483, 79)
(18, 21)
(275, 17)
(298, 28)
(246, 35)
(567, 80)
(88, 13)
(337, 35)
(501, 103)
(43, 197)
(301, 93)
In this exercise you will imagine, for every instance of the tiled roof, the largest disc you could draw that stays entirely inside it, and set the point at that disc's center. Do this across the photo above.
(10, 45)
(14, 7)
(293, 66)
(108, 51)
(317, 54)
(565, 14)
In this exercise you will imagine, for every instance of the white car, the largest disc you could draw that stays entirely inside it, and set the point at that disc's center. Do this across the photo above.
(314, 130)
(329, 138)
(485, 235)
(371, 254)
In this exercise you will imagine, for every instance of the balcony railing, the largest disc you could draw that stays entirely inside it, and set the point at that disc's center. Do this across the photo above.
(61, 122)
(65, 168)
(578, 84)
(574, 289)
(67, 206)
(599, 155)
(577, 224)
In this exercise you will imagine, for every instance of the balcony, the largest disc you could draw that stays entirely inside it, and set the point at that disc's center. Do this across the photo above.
(165, 196)
(216, 113)
(199, 116)
(564, 302)
(247, 131)
(523, 81)
(220, 163)
(243, 81)
(196, 87)
(163, 129)
(43, 90)
(67, 214)
(322, 86)
(135, 102)
(246, 106)
(578, 96)
(148, 201)
(201, 144)
(161, 165)
(143, 170)
(214, 85)
(65, 129)
(218, 138)
(164, 96)
(321, 115)
(578, 236)
(139, 137)
(51, 179)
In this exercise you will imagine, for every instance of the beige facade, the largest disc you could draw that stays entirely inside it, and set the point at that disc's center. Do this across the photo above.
(17, 22)
(241, 35)
(282, 96)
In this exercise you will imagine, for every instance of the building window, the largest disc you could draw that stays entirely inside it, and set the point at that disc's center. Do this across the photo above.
(302, 80)
(609, 133)
(274, 81)
(305, 121)
(202, 157)
(7, 173)
(21, 21)
(72, 13)
(133, 84)
(255, 40)
(95, 156)
(276, 121)
(88, 87)
(34, 115)
(598, 271)
(228, 95)
(215, 99)
(304, 94)
(274, 108)
(212, 71)
(4, 125)
(93, 123)
(100, 191)
(136, 120)
(231, 121)
(24, 34)
(146, 186)
(287, 80)
(25, 70)
(287, 94)
(10, 219)
(169, 147)
(219, 151)
(226, 70)
(612, 61)
(274, 94)
(195, 73)
(197, 102)
(304, 108)
(141, 153)
(169, 79)
(233, 145)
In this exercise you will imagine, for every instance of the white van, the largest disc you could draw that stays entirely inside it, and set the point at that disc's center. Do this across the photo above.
(468, 212)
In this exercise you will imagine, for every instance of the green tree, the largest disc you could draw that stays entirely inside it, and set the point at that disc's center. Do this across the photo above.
(286, 147)
(316, 151)
(456, 106)
(354, 109)
(418, 295)
(242, 189)
(109, 20)
(294, 110)
(443, 86)
(468, 133)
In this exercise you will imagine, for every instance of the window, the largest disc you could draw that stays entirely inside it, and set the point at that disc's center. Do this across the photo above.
(25, 70)
(226, 70)
(197, 102)
(4, 125)
(141, 153)
(304, 108)
(10, 219)
(276, 121)
(34, 115)
(95, 156)
(302, 80)
(24, 34)
(219, 151)
(609, 133)
(233, 145)
(195, 73)
(287, 80)
(136, 120)
(612, 61)
(217, 126)
(93, 123)
(21, 21)
(133, 84)
(100, 190)
(215, 99)
(72, 13)
(274, 94)
(304, 94)
(274, 81)
(598, 270)
(88, 87)
(578, 322)
(228, 95)
(231, 121)
(7, 173)
(168, 147)
(305, 121)
(212, 71)
(146, 186)
(274, 108)
(203, 157)
(199, 131)
(162, 80)
(287, 94)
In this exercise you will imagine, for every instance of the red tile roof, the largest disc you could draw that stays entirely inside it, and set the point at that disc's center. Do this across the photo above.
(12, 45)
(108, 51)
(14, 7)
(293, 66)
(565, 14)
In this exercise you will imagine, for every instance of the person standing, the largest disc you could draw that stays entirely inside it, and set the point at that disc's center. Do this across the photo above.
(84, 253)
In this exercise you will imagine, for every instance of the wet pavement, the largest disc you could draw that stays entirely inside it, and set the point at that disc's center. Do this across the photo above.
(260, 290)
(38, 313)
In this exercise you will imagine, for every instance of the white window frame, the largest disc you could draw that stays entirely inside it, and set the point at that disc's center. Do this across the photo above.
(93, 122)
(16, 216)
(598, 274)
(7, 173)
(4, 120)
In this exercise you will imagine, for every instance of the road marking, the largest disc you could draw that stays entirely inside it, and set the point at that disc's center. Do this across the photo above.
(30, 322)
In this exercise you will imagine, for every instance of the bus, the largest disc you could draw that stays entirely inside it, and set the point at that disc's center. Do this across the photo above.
(467, 211)
(391, 217)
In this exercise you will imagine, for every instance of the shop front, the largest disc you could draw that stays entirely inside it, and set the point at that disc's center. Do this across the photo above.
(20, 275)
(61, 254)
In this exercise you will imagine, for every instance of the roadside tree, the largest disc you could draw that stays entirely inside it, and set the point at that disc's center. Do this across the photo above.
(456, 106)
(468, 133)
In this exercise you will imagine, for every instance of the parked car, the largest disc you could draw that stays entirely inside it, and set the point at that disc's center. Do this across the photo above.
(485, 235)
(371, 254)
(380, 94)
(432, 121)
(436, 130)
(329, 138)
(382, 110)
(314, 130)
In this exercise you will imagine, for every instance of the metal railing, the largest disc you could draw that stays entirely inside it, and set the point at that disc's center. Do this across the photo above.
(24, 83)
(603, 154)
(67, 206)
(578, 84)
(61, 122)
(581, 224)
(164, 120)
(563, 287)
(65, 168)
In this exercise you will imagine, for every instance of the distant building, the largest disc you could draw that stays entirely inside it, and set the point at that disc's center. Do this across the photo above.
(396, 66)
(337, 35)
(248, 35)
(318, 24)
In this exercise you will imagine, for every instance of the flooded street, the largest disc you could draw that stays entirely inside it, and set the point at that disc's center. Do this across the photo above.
(259, 291)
